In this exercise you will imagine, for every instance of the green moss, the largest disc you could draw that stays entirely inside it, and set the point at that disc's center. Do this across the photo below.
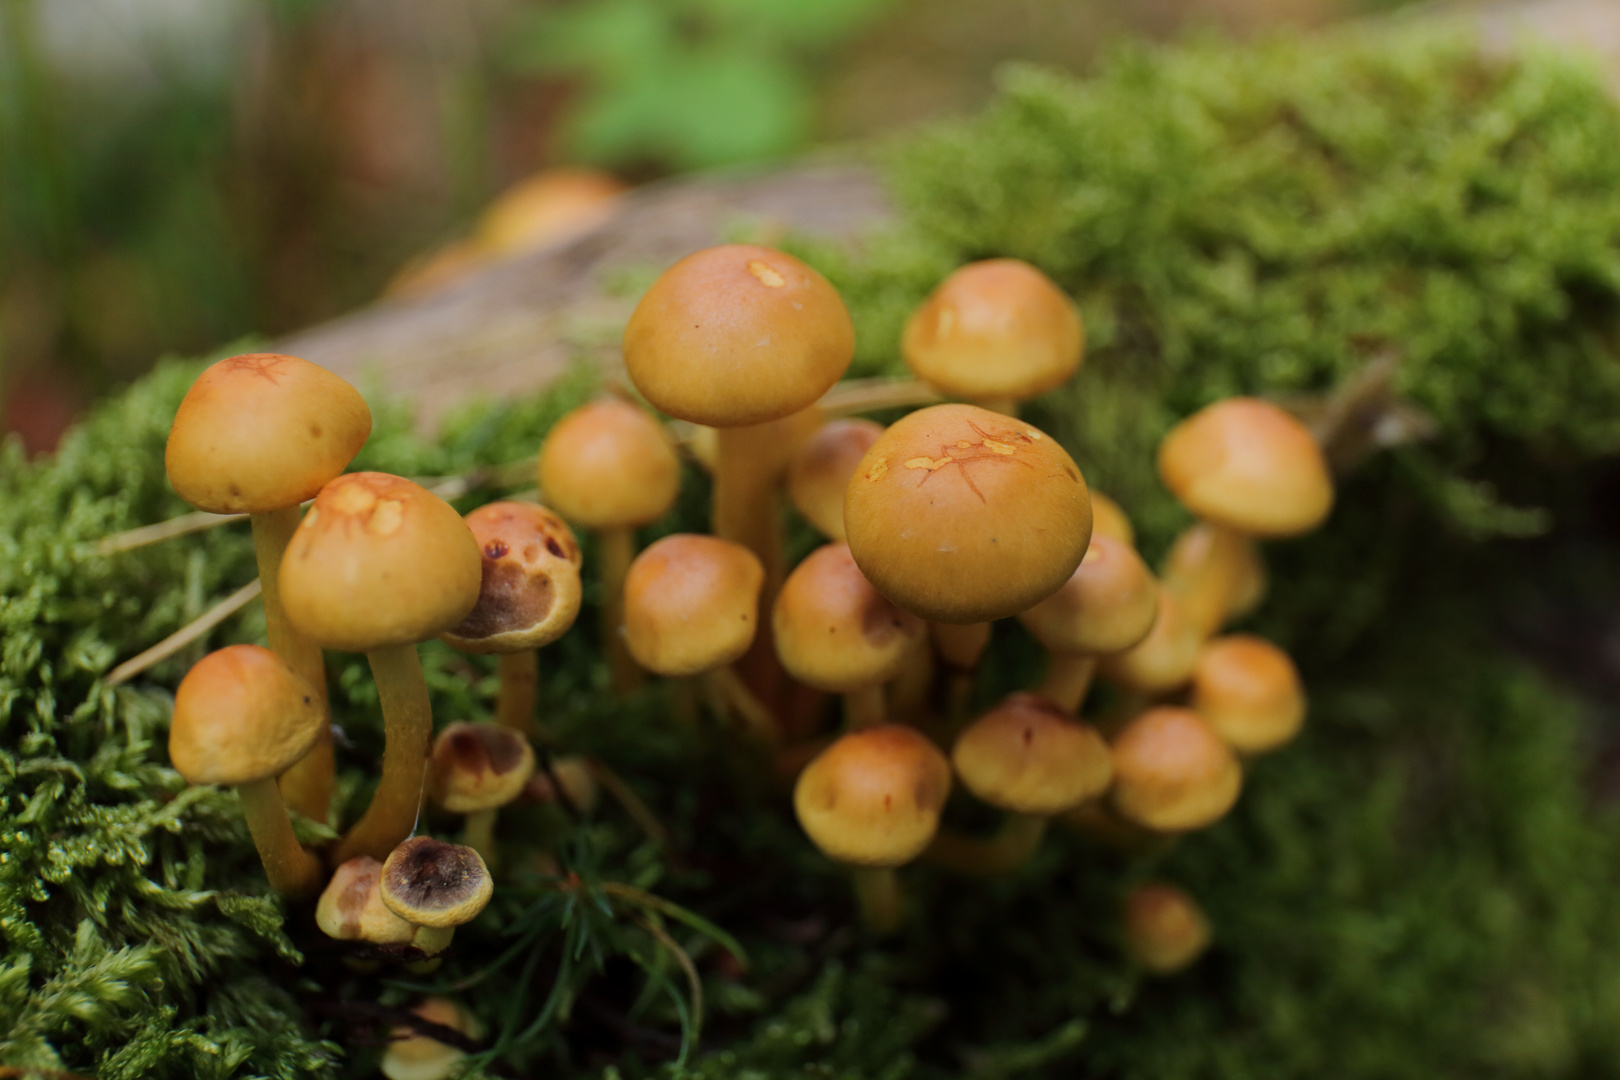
(1418, 887)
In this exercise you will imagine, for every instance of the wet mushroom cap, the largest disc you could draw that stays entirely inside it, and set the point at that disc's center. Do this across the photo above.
(834, 631)
(1172, 772)
(478, 767)
(1249, 691)
(379, 561)
(738, 335)
(1250, 466)
(529, 591)
(1028, 756)
(351, 906)
(431, 883)
(263, 431)
(1165, 930)
(873, 798)
(820, 471)
(962, 515)
(608, 464)
(1109, 603)
(691, 604)
(240, 715)
(995, 329)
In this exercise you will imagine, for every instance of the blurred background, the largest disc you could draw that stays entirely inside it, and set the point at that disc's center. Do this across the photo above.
(177, 174)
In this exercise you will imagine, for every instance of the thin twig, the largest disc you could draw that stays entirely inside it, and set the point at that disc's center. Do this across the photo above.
(184, 636)
(692, 980)
(632, 803)
(866, 395)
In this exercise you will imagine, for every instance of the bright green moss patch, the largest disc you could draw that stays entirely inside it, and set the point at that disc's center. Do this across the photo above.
(1419, 888)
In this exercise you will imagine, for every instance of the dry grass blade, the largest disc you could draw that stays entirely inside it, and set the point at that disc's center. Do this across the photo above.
(184, 525)
(197, 628)
(865, 395)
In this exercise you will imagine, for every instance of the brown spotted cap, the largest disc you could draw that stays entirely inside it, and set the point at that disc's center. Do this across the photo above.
(351, 906)
(609, 465)
(240, 715)
(1028, 756)
(432, 883)
(873, 798)
(834, 631)
(529, 593)
(478, 767)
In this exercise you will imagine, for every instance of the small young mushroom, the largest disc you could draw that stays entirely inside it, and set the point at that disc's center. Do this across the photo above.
(431, 883)
(259, 434)
(1107, 519)
(995, 333)
(610, 467)
(242, 717)
(836, 633)
(820, 471)
(691, 607)
(378, 565)
(1108, 605)
(1249, 469)
(1193, 553)
(872, 800)
(1249, 691)
(1172, 773)
(1033, 760)
(961, 515)
(1164, 660)
(475, 770)
(413, 1056)
(351, 909)
(1164, 929)
(528, 597)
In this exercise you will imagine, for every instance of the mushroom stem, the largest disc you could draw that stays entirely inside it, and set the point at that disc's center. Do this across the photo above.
(408, 731)
(864, 708)
(616, 547)
(520, 692)
(1208, 584)
(1068, 677)
(479, 834)
(960, 645)
(293, 872)
(737, 699)
(1006, 851)
(877, 890)
(1006, 406)
(745, 506)
(307, 786)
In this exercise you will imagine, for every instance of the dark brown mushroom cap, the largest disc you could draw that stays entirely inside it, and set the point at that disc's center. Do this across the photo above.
(961, 515)
(263, 431)
(530, 591)
(873, 798)
(1249, 691)
(379, 561)
(995, 329)
(738, 335)
(834, 631)
(1172, 772)
(1109, 604)
(820, 471)
(691, 604)
(240, 715)
(432, 883)
(1250, 466)
(1165, 930)
(608, 464)
(1028, 756)
(478, 767)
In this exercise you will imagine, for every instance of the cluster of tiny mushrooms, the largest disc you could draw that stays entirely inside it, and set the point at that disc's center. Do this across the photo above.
(953, 517)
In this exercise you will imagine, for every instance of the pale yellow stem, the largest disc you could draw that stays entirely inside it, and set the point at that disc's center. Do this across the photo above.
(616, 548)
(1013, 844)
(877, 890)
(1068, 677)
(739, 701)
(1207, 582)
(745, 499)
(960, 645)
(519, 694)
(479, 834)
(293, 872)
(408, 730)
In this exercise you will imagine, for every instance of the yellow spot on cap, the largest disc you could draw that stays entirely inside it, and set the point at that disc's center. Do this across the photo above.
(879, 467)
(1033, 434)
(766, 274)
(962, 444)
(929, 464)
(353, 499)
(997, 447)
(385, 520)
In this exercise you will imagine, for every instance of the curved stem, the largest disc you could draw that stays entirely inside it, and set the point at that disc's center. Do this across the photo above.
(1011, 846)
(864, 708)
(479, 834)
(307, 786)
(293, 872)
(408, 730)
(519, 693)
(1068, 677)
(1207, 582)
(877, 890)
(617, 549)
(741, 702)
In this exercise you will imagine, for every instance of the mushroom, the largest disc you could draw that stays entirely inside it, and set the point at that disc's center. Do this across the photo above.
(995, 333)
(836, 633)
(1249, 469)
(1164, 929)
(691, 607)
(1249, 691)
(820, 470)
(259, 434)
(1108, 605)
(1164, 660)
(1107, 519)
(413, 1056)
(736, 337)
(872, 801)
(475, 770)
(351, 909)
(961, 515)
(1031, 759)
(242, 717)
(431, 883)
(529, 595)
(610, 467)
(1172, 773)
(1192, 552)
(377, 565)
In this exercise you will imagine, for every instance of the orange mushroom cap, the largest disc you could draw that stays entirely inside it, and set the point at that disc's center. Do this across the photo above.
(1249, 692)
(1028, 756)
(240, 715)
(834, 631)
(1165, 930)
(608, 464)
(1109, 603)
(691, 604)
(820, 471)
(873, 798)
(1172, 772)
